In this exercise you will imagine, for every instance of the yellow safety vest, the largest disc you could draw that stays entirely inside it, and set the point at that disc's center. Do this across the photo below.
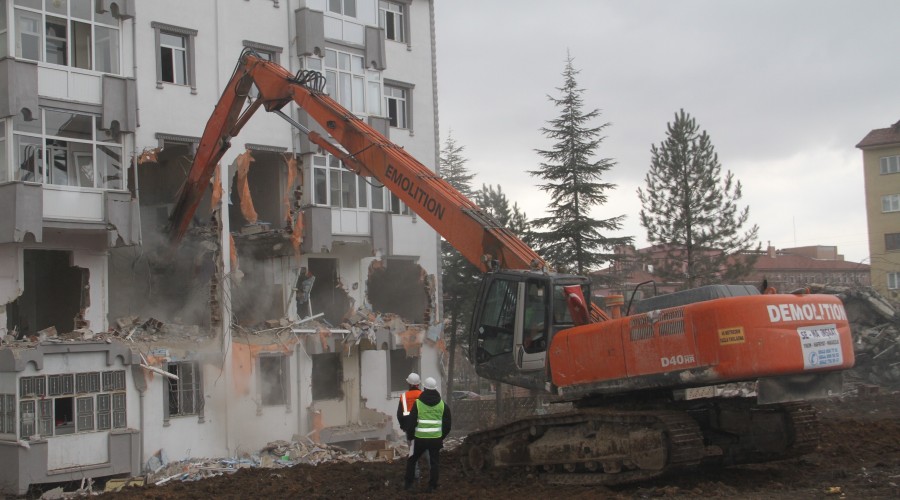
(431, 420)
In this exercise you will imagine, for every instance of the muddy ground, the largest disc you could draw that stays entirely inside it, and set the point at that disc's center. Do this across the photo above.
(859, 457)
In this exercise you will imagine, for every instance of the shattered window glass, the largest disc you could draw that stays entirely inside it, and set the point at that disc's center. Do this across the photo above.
(327, 375)
(184, 396)
(273, 373)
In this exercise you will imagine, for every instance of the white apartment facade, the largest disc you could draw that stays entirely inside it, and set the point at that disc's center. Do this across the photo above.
(102, 105)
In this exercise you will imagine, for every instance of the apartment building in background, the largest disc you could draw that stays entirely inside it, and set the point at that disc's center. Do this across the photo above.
(300, 297)
(881, 172)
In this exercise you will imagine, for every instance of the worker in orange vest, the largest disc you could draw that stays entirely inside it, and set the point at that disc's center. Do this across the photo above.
(408, 399)
(407, 402)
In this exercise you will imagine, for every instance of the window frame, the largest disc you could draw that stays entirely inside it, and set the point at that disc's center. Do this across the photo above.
(70, 21)
(317, 370)
(397, 374)
(285, 380)
(95, 407)
(4, 40)
(329, 175)
(890, 203)
(891, 242)
(101, 151)
(406, 98)
(189, 35)
(272, 51)
(893, 280)
(8, 407)
(347, 79)
(401, 12)
(342, 6)
(890, 164)
(192, 390)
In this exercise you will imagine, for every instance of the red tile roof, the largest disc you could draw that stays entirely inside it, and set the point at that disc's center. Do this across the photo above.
(881, 137)
(789, 262)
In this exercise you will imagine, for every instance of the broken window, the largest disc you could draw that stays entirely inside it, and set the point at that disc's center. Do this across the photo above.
(327, 376)
(399, 287)
(328, 295)
(183, 396)
(265, 187)
(55, 293)
(401, 366)
(273, 378)
(77, 152)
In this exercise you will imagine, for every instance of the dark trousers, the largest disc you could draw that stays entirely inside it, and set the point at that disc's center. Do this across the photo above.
(420, 446)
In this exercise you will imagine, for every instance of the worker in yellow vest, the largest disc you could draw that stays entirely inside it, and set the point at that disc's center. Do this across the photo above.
(432, 424)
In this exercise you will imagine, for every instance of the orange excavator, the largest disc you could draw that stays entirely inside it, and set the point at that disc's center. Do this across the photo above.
(720, 374)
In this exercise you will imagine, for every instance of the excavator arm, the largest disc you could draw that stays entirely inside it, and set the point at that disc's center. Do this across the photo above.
(470, 230)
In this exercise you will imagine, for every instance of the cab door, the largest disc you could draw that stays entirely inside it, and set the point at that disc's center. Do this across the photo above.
(532, 322)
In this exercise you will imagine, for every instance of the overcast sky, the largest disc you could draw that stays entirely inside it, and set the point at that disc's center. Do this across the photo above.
(785, 89)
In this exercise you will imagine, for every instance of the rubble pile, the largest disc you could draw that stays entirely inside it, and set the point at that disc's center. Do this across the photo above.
(876, 333)
(275, 455)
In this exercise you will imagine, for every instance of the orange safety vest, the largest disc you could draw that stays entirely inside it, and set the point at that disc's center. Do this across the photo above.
(408, 399)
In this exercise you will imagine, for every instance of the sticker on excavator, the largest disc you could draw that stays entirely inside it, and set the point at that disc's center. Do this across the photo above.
(731, 335)
(821, 346)
(700, 392)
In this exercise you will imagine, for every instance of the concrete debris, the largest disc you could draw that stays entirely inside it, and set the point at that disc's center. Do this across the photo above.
(875, 325)
(277, 455)
(86, 489)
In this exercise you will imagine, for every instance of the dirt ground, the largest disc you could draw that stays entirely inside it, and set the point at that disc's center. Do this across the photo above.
(859, 457)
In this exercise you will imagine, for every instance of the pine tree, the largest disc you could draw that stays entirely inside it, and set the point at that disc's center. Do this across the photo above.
(453, 166)
(572, 240)
(458, 276)
(690, 212)
(494, 202)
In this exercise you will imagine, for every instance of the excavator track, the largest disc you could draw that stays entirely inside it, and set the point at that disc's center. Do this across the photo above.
(590, 446)
(805, 425)
(607, 447)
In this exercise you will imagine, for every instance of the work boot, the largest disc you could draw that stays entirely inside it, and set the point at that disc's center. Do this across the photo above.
(431, 488)
(407, 486)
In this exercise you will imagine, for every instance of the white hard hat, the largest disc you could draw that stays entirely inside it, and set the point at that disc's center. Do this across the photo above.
(430, 383)
(413, 379)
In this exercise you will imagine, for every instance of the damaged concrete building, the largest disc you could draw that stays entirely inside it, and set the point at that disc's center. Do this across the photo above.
(301, 295)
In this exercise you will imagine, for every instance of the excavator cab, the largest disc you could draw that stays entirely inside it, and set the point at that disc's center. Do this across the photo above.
(515, 318)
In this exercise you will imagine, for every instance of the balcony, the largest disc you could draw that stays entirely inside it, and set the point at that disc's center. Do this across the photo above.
(33, 207)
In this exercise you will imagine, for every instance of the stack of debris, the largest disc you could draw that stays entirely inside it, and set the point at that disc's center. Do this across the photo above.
(277, 454)
(876, 334)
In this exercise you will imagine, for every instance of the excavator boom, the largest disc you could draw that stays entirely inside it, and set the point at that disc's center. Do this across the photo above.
(473, 232)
